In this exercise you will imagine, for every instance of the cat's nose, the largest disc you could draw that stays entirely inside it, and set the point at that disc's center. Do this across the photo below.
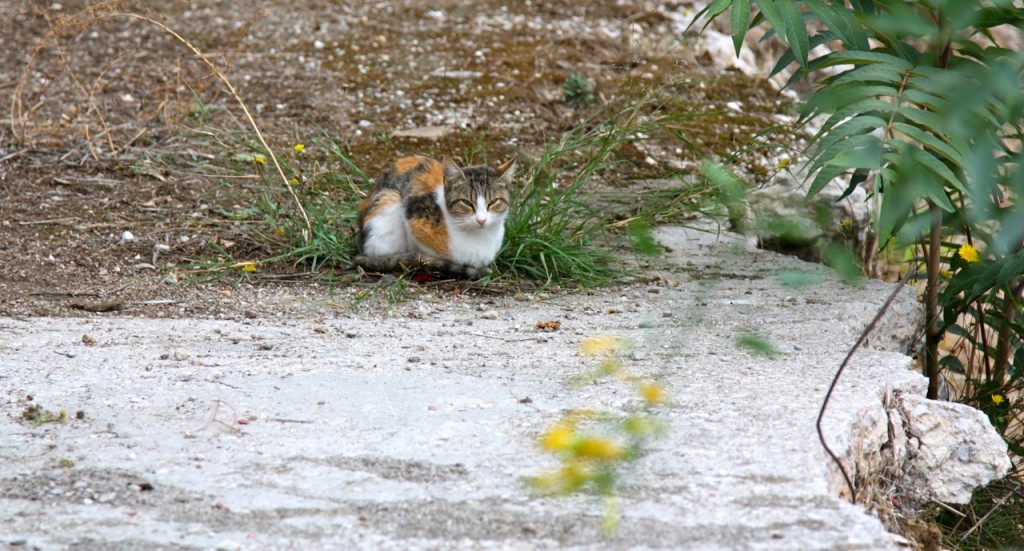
(481, 221)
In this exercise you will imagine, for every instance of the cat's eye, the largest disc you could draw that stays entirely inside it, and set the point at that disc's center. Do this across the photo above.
(497, 205)
(461, 207)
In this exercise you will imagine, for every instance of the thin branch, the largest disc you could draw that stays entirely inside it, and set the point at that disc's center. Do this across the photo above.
(828, 396)
(245, 109)
(988, 514)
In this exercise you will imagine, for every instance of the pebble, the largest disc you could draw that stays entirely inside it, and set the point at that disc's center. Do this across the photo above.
(637, 355)
(351, 334)
(490, 315)
(180, 355)
(414, 359)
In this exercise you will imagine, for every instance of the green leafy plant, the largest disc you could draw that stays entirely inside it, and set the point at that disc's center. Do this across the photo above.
(551, 235)
(578, 90)
(919, 102)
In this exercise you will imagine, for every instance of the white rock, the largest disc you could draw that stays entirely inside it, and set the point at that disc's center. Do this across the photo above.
(716, 49)
(127, 237)
(957, 449)
(424, 132)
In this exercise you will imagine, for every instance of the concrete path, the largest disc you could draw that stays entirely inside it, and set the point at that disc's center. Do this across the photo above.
(417, 429)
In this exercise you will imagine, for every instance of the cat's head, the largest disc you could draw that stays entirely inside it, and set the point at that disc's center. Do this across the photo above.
(477, 197)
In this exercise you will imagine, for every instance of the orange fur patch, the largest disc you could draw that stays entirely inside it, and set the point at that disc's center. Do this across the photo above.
(405, 164)
(373, 203)
(428, 180)
(433, 236)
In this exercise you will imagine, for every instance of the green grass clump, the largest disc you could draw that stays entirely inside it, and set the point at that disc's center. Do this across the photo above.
(578, 91)
(553, 236)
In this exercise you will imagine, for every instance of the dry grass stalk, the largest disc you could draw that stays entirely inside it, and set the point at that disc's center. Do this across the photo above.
(105, 10)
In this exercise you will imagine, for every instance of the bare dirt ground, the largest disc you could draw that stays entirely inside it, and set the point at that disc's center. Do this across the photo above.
(112, 125)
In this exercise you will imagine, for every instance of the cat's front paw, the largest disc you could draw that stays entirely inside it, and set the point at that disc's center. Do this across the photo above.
(476, 272)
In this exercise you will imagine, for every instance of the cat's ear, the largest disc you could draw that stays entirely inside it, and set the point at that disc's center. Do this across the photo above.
(506, 171)
(452, 172)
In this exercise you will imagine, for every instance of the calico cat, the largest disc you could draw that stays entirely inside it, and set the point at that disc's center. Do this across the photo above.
(436, 216)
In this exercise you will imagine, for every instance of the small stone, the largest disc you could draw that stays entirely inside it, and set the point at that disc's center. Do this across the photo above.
(351, 334)
(264, 346)
(490, 315)
(180, 355)
(423, 132)
(57, 492)
(637, 355)
(414, 359)
(647, 324)
(87, 340)
(127, 237)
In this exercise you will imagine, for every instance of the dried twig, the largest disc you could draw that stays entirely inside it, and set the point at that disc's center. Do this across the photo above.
(828, 396)
(988, 514)
(110, 9)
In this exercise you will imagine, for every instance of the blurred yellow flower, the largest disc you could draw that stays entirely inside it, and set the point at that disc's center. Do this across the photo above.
(653, 393)
(968, 253)
(599, 345)
(299, 148)
(293, 181)
(559, 438)
(279, 232)
(245, 266)
(997, 399)
(945, 274)
(783, 163)
(259, 159)
(598, 448)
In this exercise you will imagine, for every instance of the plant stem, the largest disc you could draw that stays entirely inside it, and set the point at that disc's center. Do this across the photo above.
(1010, 297)
(933, 333)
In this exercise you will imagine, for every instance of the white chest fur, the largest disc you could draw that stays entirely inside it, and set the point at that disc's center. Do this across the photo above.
(469, 241)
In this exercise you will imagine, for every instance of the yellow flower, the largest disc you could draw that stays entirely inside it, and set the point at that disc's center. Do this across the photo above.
(245, 266)
(293, 181)
(652, 392)
(945, 274)
(599, 345)
(968, 253)
(598, 448)
(997, 399)
(299, 148)
(783, 163)
(259, 159)
(559, 438)
(279, 232)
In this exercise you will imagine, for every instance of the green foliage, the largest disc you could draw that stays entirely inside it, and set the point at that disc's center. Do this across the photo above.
(578, 91)
(757, 344)
(919, 102)
(551, 235)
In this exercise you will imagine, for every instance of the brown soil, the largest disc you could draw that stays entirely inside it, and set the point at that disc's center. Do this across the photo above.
(116, 126)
